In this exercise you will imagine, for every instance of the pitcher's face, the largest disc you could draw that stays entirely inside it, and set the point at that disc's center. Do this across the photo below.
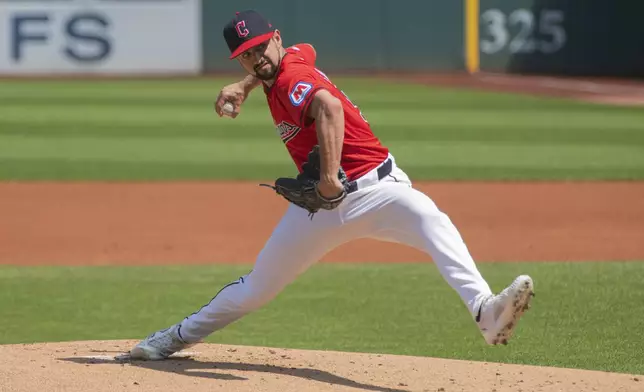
(263, 60)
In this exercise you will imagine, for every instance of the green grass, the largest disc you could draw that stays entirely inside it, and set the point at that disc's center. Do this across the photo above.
(163, 130)
(585, 315)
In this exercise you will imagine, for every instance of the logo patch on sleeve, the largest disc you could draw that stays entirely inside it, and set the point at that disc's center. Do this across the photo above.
(299, 93)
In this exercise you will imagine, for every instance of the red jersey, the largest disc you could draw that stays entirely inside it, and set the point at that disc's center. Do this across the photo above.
(289, 98)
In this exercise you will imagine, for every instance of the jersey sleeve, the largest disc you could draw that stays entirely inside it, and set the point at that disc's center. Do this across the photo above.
(306, 51)
(297, 89)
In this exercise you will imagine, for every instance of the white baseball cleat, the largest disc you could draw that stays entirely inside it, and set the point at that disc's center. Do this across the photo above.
(160, 345)
(499, 314)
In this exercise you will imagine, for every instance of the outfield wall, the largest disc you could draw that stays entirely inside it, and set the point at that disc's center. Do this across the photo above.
(562, 37)
(570, 37)
(373, 35)
(92, 36)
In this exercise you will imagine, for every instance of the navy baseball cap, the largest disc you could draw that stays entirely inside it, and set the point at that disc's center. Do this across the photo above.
(245, 30)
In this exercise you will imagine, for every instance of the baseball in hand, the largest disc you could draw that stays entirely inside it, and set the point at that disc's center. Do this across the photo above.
(228, 108)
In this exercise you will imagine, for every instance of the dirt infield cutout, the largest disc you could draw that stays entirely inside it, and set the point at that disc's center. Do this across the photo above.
(205, 223)
(94, 366)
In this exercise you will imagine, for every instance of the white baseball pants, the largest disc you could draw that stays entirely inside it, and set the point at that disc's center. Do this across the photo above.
(389, 209)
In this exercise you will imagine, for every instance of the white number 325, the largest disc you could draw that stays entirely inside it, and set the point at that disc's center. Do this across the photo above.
(549, 37)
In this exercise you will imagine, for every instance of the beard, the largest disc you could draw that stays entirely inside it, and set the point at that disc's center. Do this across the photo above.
(264, 73)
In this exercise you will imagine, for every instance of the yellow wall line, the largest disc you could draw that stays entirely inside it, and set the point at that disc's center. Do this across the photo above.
(472, 60)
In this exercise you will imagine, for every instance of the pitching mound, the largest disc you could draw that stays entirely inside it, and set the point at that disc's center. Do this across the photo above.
(96, 366)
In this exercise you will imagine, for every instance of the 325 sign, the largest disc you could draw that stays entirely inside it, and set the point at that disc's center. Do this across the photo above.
(522, 31)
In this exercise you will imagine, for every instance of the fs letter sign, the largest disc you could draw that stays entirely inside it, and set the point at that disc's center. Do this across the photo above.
(89, 30)
(94, 36)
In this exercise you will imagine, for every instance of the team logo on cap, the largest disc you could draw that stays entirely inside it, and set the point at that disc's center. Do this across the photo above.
(299, 92)
(242, 31)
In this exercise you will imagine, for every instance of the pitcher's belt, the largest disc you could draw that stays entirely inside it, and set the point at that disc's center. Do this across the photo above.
(372, 177)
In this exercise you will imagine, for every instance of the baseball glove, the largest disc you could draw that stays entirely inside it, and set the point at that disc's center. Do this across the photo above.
(303, 191)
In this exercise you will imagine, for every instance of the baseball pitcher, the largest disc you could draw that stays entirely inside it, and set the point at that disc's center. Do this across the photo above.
(347, 186)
